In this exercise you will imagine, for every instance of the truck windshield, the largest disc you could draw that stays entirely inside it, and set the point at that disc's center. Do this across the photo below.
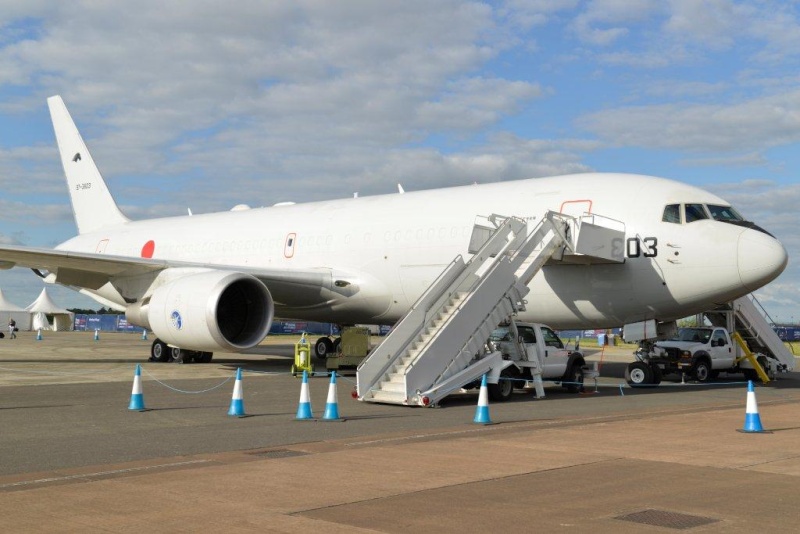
(500, 334)
(700, 335)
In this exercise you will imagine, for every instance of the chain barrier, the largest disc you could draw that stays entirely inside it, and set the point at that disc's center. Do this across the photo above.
(150, 375)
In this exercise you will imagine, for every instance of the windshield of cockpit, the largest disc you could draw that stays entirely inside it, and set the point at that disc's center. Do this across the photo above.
(691, 212)
(677, 213)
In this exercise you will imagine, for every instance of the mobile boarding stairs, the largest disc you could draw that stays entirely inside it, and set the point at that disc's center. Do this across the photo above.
(751, 328)
(440, 345)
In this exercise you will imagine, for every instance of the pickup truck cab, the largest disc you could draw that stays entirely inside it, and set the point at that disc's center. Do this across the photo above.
(541, 348)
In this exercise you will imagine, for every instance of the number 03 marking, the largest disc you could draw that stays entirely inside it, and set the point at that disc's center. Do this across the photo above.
(634, 247)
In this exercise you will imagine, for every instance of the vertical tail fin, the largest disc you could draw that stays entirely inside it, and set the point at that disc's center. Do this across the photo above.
(92, 204)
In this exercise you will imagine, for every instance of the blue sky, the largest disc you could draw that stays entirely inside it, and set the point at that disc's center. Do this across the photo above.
(205, 105)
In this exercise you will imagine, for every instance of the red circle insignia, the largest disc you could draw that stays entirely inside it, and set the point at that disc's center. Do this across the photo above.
(148, 249)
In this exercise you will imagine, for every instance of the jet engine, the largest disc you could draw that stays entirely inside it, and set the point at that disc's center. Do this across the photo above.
(208, 311)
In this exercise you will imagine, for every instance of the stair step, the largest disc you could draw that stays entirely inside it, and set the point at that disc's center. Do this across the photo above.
(393, 387)
(387, 397)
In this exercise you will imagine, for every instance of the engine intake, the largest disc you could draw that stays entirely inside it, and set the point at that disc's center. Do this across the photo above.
(214, 310)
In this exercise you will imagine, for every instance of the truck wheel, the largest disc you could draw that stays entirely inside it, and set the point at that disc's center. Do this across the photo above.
(701, 371)
(502, 391)
(638, 374)
(573, 380)
(657, 374)
(323, 347)
(159, 351)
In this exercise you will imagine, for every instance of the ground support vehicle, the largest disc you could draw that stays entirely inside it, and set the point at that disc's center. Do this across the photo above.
(353, 347)
(302, 357)
(443, 342)
(700, 353)
(534, 352)
(739, 340)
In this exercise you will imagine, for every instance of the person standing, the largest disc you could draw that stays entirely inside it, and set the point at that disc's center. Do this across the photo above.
(12, 328)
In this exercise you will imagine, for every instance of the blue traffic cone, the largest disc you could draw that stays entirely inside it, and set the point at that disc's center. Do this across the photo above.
(304, 409)
(482, 412)
(39, 335)
(332, 406)
(137, 397)
(752, 421)
(237, 399)
(96, 334)
(144, 334)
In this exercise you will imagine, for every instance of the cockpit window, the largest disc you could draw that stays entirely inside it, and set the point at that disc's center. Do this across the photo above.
(672, 213)
(695, 212)
(724, 213)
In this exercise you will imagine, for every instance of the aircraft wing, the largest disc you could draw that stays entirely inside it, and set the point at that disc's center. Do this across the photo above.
(305, 287)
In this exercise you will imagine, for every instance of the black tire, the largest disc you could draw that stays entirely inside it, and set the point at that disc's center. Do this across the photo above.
(159, 351)
(204, 357)
(336, 344)
(638, 374)
(503, 390)
(657, 374)
(701, 371)
(750, 374)
(323, 348)
(176, 354)
(573, 380)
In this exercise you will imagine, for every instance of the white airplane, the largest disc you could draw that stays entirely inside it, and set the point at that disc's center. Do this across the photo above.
(215, 281)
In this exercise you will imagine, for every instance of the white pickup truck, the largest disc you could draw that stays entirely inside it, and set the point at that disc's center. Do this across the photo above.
(542, 348)
(699, 352)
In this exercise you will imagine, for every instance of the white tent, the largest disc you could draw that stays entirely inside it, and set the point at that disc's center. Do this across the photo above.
(9, 310)
(44, 306)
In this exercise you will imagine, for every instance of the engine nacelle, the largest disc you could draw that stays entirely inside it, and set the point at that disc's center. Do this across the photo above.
(209, 311)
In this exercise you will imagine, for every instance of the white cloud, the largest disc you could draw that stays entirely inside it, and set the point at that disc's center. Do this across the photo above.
(603, 22)
(741, 126)
(712, 23)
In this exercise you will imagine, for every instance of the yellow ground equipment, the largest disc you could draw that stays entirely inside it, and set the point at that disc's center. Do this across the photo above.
(302, 357)
(353, 348)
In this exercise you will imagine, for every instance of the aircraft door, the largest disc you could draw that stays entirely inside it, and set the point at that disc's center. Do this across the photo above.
(289, 245)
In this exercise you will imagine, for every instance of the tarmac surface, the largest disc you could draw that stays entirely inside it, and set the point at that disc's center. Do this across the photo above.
(613, 459)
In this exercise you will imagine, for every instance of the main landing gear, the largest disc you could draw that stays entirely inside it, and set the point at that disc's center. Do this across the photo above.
(161, 352)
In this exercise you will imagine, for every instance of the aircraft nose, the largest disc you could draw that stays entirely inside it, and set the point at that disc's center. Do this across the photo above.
(761, 258)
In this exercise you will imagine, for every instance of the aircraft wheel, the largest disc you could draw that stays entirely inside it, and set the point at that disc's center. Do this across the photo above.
(336, 344)
(638, 374)
(204, 357)
(323, 348)
(159, 351)
(176, 354)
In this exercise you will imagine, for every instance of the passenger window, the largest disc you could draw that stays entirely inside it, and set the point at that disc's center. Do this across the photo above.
(551, 339)
(719, 339)
(695, 212)
(672, 213)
